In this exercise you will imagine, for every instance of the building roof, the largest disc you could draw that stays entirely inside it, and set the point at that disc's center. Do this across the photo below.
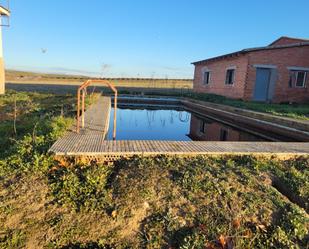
(281, 43)
(285, 40)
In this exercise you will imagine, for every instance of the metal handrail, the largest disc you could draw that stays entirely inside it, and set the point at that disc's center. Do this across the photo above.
(83, 88)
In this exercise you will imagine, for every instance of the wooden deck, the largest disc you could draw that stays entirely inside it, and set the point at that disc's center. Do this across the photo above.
(91, 143)
(152, 147)
(94, 132)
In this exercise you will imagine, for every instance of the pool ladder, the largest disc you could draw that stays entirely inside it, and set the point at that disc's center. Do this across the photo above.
(81, 93)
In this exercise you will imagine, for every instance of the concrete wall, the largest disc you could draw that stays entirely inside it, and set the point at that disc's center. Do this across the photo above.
(218, 74)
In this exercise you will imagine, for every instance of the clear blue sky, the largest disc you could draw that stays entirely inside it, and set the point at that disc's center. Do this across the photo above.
(145, 38)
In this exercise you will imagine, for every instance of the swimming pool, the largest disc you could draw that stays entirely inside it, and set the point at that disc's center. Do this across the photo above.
(173, 123)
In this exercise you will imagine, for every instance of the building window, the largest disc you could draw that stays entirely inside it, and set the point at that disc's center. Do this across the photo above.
(223, 134)
(206, 78)
(300, 79)
(202, 126)
(297, 79)
(230, 75)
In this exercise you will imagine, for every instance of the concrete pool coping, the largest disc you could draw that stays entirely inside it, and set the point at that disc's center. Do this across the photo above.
(286, 121)
(253, 122)
(91, 143)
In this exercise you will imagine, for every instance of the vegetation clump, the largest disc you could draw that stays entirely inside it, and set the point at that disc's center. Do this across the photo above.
(81, 186)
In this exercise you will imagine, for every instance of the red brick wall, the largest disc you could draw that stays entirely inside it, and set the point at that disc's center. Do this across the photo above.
(217, 79)
(245, 74)
(282, 58)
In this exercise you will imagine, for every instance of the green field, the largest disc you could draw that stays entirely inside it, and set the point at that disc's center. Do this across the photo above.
(161, 202)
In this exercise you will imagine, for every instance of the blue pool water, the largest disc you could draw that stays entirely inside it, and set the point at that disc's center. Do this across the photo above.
(174, 124)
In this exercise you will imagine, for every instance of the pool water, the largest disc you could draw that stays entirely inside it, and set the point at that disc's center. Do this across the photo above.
(174, 124)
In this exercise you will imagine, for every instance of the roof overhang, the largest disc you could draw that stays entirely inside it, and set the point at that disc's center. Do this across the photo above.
(4, 11)
(231, 55)
(248, 50)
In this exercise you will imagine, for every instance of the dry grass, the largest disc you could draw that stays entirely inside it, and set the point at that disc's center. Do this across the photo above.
(51, 79)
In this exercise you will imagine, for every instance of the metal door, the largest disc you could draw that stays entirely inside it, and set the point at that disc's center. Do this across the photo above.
(262, 84)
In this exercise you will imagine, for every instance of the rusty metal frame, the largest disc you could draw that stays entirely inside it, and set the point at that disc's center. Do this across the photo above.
(83, 89)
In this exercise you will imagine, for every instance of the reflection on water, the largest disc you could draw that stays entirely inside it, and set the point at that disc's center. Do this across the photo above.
(172, 124)
(205, 129)
(148, 124)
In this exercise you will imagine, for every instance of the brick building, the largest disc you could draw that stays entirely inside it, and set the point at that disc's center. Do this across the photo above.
(275, 73)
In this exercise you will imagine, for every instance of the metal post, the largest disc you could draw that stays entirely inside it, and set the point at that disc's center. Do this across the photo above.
(83, 108)
(78, 110)
(115, 115)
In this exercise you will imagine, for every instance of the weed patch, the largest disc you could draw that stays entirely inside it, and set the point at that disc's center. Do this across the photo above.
(13, 239)
(81, 186)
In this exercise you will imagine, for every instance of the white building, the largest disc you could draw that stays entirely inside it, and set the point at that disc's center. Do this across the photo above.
(3, 13)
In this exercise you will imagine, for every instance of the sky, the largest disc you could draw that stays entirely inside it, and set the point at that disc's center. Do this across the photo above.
(141, 38)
